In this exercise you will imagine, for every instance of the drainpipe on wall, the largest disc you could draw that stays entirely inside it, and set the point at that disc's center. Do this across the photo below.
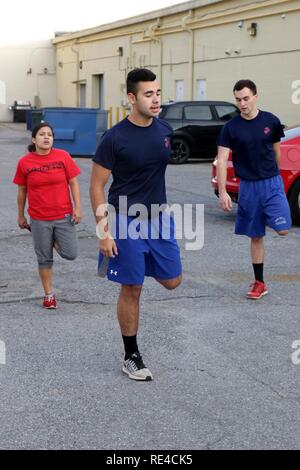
(77, 71)
(191, 54)
(152, 28)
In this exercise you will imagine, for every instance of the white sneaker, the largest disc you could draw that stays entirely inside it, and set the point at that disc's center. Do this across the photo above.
(134, 367)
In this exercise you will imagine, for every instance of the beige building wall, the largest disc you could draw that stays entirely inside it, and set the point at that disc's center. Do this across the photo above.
(198, 47)
(27, 73)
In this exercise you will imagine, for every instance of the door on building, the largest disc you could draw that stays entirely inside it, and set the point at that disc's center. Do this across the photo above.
(98, 91)
(179, 90)
(201, 89)
(82, 95)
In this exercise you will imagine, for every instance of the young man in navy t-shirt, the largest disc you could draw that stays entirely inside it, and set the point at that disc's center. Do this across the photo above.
(254, 139)
(135, 152)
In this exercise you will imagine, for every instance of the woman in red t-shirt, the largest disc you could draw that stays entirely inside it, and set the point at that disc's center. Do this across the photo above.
(45, 177)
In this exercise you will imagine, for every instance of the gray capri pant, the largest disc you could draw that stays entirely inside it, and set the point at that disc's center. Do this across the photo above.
(46, 232)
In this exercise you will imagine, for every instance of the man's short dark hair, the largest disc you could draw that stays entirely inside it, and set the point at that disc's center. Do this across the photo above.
(138, 75)
(245, 84)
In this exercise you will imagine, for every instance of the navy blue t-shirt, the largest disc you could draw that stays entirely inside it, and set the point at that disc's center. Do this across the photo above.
(251, 142)
(138, 157)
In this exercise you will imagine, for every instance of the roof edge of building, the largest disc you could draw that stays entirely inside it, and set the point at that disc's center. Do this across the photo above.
(171, 10)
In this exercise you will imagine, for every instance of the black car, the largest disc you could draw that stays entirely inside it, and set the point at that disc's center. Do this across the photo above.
(196, 127)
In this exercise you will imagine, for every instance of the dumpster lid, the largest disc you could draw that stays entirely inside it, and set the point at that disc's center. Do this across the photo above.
(19, 104)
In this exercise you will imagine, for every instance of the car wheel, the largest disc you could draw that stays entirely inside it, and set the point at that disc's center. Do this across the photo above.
(180, 151)
(294, 201)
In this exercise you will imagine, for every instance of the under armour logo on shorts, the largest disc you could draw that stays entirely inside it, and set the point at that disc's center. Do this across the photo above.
(280, 221)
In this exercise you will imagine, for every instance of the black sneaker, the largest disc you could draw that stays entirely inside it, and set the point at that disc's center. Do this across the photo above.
(135, 368)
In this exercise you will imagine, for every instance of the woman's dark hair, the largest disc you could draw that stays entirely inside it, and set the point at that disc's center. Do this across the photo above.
(31, 147)
(138, 75)
(245, 84)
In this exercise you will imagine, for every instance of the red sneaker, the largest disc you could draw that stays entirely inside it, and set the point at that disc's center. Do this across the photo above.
(258, 289)
(50, 301)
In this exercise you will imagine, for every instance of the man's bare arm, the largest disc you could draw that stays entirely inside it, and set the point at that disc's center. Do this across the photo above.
(99, 179)
(276, 148)
(222, 159)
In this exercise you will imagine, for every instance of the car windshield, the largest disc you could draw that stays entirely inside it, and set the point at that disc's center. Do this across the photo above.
(291, 134)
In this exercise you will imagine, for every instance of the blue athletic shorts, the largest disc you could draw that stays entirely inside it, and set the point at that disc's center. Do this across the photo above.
(154, 253)
(260, 203)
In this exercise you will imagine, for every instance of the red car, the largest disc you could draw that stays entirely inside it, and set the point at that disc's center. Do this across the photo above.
(289, 170)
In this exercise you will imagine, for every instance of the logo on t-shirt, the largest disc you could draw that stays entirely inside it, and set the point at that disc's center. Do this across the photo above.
(267, 130)
(46, 168)
(167, 142)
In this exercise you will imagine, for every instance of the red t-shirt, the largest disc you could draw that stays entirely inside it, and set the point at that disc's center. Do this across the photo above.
(46, 178)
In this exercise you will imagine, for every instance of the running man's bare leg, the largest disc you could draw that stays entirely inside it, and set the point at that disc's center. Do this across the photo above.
(129, 308)
(170, 284)
(128, 316)
(283, 233)
(257, 250)
(258, 288)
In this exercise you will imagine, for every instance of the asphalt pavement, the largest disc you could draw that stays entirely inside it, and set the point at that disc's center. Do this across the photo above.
(223, 371)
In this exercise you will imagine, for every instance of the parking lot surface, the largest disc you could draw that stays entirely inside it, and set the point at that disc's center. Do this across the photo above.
(223, 371)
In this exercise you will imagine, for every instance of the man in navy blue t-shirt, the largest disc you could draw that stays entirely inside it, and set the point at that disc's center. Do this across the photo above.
(141, 242)
(253, 137)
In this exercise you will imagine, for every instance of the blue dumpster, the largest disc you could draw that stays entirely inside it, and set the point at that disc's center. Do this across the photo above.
(77, 130)
(33, 118)
(29, 119)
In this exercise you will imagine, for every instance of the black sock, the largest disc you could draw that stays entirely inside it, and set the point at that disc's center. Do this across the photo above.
(130, 345)
(258, 271)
